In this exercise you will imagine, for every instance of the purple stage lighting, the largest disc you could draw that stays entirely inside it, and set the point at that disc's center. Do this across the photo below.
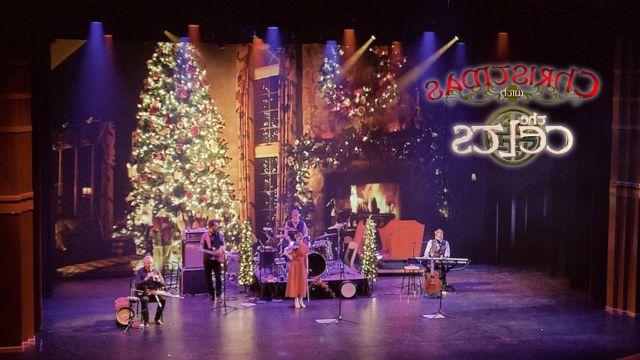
(273, 38)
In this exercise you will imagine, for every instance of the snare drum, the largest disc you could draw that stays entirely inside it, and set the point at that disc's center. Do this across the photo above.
(124, 310)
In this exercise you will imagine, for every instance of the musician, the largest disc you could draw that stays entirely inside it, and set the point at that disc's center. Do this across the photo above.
(298, 271)
(438, 247)
(149, 278)
(212, 240)
(296, 225)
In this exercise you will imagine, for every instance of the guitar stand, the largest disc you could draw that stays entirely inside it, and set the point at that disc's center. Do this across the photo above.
(224, 292)
(438, 314)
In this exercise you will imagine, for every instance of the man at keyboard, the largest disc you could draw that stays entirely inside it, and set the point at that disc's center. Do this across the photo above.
(438, 247)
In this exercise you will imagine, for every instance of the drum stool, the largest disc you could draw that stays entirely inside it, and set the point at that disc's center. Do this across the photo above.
(411, 274)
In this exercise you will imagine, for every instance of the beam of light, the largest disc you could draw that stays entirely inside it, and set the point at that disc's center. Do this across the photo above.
(258, 52)
(96, 80)
(416, 72)
(354, 58)
(108, 46)
(172, 37)
(349, 42)
(460, 56)
(331, 44)
(502, 51)
(428, 47)
(194, 34)
(273, 38)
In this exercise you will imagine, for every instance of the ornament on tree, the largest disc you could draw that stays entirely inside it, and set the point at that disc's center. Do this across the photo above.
(182, 92)
(195, 130)
(156, 168)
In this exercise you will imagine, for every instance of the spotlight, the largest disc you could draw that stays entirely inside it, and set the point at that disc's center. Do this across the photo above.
(457, 38)
(373, 37)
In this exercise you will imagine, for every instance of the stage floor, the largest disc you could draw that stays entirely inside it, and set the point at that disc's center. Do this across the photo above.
(498, 313)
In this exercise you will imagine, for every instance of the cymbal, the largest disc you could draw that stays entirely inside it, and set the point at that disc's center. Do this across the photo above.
(284, 228)
(280, 236)
(325, 236)
(267, 229)
(337, 226)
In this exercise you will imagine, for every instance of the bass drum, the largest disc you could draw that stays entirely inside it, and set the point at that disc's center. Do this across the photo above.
(348, 289)
(124, 310)
(317, 264)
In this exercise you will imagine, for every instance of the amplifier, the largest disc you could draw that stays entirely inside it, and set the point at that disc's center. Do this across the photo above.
(191, 255)
(192, 281)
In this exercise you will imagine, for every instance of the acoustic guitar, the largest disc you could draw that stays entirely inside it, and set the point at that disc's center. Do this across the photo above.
(432, 282)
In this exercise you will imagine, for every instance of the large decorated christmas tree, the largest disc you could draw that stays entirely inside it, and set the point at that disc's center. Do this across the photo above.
(179, 160)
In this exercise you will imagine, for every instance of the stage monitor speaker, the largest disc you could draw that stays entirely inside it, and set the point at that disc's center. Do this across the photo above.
(192, 281)
(191, 255)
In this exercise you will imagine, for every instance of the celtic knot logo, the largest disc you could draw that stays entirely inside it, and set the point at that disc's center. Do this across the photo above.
(504, 117)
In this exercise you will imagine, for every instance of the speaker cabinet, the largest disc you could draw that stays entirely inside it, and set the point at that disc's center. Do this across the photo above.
(192, 281)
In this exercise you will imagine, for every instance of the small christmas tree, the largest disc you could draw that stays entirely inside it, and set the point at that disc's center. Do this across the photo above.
(369, 259)
(179, 158)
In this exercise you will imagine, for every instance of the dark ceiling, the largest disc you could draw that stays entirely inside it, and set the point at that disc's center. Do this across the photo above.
(317, 21)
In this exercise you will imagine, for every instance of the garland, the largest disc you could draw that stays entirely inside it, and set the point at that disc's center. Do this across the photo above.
(373, 96)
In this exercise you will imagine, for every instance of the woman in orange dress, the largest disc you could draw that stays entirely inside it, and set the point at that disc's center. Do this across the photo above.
(298, 271)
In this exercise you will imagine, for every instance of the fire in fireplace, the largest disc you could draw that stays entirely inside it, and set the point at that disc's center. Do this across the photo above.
(376, 198)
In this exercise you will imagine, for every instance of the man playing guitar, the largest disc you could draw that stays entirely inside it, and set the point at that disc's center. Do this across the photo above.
(212, 248)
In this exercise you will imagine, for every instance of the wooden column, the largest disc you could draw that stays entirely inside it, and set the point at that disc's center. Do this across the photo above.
(624, 188)
(17, 288)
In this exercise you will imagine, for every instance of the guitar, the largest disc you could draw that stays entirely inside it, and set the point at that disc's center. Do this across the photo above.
(216, 254)
(432, 282)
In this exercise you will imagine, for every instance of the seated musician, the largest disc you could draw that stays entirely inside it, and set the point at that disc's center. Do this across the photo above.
(149, 278)
(296, 225)
(438, 247)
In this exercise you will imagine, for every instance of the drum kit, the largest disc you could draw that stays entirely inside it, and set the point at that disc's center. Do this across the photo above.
(321, 251)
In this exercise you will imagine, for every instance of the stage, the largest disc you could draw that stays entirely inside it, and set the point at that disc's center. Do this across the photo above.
(498, 313)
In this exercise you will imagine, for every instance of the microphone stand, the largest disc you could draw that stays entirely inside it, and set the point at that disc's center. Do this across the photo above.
(224, 290)
(338, 319)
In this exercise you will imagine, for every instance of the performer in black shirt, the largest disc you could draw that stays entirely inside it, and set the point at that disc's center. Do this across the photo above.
(149, 278)
(212, 248)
